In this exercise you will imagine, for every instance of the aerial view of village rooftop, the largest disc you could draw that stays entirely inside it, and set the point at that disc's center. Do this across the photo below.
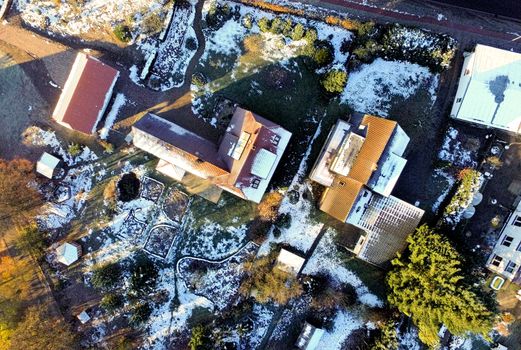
(260, 174)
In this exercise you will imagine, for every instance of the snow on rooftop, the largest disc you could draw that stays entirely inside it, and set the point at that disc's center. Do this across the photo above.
(83, 317)
(289, 261)
(389, 173)
(263, 163)
(47, 165)
(67, 253)
(370, 89)
(490, 89)
(255, 194)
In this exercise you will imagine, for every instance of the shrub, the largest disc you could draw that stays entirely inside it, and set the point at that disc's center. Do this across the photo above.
(111, 302)
(198, 80)
(269, 206)
(264, 24)
(259, 230)
(140, 313)
(287, 28)
(334, 81)
(152, 23)
(191, 44)
(283, 220)
(311, 36)
(197, 337)
(277, 25)
(106, 276)
(268, 282)
(247, 21)
(74, 149)
(128, 187)
(122, 33)
(107, 146)
(323, 55)
(298, 32)
(218, 15)
(470, 181)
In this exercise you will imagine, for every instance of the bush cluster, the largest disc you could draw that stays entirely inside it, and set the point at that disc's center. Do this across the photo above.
(152, 23)
(122, 33)
(128, 187)
(334, 81)
(218, 14)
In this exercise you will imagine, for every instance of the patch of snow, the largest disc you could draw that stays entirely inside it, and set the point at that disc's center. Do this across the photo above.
(371, 88)
(119, 101)
(345, 323)
(325, 260)
(454, 152)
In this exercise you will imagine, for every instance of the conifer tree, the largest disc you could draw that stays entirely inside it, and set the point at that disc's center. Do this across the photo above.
(427, 285)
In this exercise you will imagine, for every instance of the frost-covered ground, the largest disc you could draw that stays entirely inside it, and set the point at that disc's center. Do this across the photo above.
(214, 242)
(455, 152)
(82, 17)
(371, 88)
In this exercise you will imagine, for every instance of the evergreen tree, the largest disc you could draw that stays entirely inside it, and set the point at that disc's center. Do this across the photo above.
(334, 81)
(427, 285)
(388, 338)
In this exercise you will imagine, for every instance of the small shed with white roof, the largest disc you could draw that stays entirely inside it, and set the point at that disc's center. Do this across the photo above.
(47, 165)
(68, 253)
(290, 262)
(309, 337)
(83, 317)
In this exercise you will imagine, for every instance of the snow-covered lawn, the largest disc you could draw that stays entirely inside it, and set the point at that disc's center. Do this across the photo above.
(345, 323)
(371, 88)
(214, 242)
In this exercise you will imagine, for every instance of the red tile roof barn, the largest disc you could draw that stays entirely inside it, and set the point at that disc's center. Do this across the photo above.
(86, 94)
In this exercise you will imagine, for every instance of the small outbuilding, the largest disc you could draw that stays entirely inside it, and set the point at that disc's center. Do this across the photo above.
(309, 337)
(290, 262)
(47, 165)
(83, 317)
(68, 253)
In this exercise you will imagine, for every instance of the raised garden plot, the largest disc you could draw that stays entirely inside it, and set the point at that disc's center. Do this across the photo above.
(175, 205)
(160, 240)
(151, 189)
(131, 227)
(217, 281)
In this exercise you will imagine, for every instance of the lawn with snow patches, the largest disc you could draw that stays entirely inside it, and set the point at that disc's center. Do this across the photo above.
(325, 260)
(218, 281)
(371, 88)
(214, 242)
(345, 323)
(455, 152)
(86, 17)
(42, 138)
(119, 102)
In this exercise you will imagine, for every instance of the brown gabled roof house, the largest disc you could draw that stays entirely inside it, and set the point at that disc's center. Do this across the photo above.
(242, 163)
(86, 94)
(359, 165)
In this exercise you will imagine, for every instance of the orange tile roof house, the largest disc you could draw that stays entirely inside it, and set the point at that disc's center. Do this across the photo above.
(359, 166)
(86, 94)
(242, 163)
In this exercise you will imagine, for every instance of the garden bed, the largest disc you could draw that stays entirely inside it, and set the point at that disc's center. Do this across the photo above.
(160, 240)
(175, 205)
(151, 189)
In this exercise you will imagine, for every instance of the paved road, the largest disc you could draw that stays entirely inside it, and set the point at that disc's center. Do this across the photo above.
(507, 8)
(374, 10)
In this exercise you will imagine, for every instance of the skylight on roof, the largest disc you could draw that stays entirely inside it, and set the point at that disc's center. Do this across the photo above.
(238, 149)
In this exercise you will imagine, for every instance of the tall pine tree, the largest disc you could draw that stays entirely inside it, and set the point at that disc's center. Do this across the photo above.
(426, 284)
